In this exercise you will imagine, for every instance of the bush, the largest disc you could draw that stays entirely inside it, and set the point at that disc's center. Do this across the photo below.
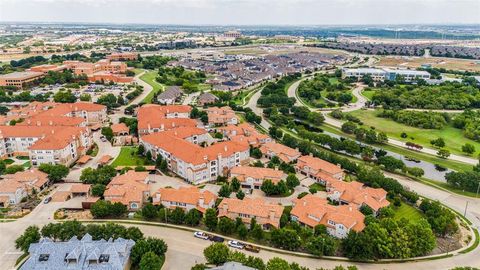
(216, 253)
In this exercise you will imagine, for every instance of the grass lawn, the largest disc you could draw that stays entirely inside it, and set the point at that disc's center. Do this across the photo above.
(137, 71)
(149, 77)
(407, 211)
(128, 157)
(368, 94)
(317, 187)
(453, 137)
(454, 165)
(8, 161)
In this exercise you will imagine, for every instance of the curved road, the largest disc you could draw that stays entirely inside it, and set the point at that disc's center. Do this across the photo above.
(361, 100)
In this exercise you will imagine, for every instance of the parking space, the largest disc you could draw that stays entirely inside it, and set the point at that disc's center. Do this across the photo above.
(161, 181)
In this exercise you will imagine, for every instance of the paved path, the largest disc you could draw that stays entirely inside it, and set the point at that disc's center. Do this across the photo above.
(359, 104)
(252, 104)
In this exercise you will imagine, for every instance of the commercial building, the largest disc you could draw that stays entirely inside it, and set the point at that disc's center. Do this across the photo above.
(385, 74)
(20, 79)
(84, 254)
(122, 56)
(103, 70)
(187, 198)
(266, 214)
(339, 220)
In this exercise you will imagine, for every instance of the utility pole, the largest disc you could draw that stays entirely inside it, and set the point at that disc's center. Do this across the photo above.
(478, 187)
(466, 206)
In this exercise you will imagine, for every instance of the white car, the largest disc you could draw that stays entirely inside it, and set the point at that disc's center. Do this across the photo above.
(201, 235)
(236, 244)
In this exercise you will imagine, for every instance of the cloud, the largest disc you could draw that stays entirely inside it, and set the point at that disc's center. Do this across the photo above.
(313, 12)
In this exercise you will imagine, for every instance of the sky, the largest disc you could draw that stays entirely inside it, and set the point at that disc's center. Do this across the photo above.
(244, 12)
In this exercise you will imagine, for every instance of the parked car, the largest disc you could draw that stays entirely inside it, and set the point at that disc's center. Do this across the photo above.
(47, 200)
(201, 235)
(252, 248)
(217, 239)
(236, 244)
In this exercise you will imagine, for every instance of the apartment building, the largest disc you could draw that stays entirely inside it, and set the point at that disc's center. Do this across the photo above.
(356, 194)
(91, 112)
(266, 214)
(156, 118)
(221, 116)
(104, 69)
(244, 133)
(284, 153)
(187, 198)
(339, 220)
(15, 187)
(20, 80)
(130, 189)
(318, 169)
(253, 177)
(191, 134)
(45, 144)
(193, 163)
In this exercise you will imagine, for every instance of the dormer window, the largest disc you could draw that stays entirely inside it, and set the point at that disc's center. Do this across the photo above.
(43, 257)
(104, 258)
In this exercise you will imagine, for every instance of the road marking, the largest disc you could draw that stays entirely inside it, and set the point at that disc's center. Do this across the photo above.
(13, 253)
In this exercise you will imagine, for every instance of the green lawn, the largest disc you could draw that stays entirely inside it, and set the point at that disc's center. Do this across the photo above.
(453, 137)
(368, 94)
(149, 77)
(128, 157)
(137, 71)
(407, 211)
(454, 165)
(317, 187)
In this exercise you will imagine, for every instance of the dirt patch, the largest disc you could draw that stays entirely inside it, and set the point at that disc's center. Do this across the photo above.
(454, 242)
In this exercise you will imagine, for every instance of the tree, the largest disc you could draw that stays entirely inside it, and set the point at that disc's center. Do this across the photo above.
(240, 194)
(443, 153)
(98, 190)
(211, 219)
(278, 264)
(468, 148)
(235, 184)
(391, 163)
(193, 217)
(216, 253)
(255, 153)
(257, 232)
(149, 211)
(150, 261)
(104, 209)
(439, 142)
(285, 239)
(226, 226)
(30, 236)
(64, 97)
(108, 133)
(55, 172)
(292, 181)
(177, 216)
(268, 187)
(85, 97)
(349, 127)
(415, 171)
(14, 169)
(242, 231)
(321, 245)
(224, 191)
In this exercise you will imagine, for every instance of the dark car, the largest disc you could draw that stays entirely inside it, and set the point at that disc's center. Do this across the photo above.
(217, 239)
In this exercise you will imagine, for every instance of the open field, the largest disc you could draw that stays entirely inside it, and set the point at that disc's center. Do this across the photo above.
(407, 211)
(128, 157)
(453, 137)
(149, 77)
(438, 62)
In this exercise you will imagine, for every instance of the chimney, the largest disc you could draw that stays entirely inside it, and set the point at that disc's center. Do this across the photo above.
(350, 208)
(201, 200)
(225, 148)
(50, 123)
(53, 131)
(149, 127)
(28, 121)
(225, 207)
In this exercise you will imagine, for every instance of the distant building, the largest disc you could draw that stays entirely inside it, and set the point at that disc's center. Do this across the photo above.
(170, 96)
(253, 177)
(187, 198)
(206, 98)
(318, 169)
(284, 153)
(131, 189)
(84, 254)
(122, 56)
(232, 34)
(221, 116)
(356, 194)
(378, 74)
(20, 79)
